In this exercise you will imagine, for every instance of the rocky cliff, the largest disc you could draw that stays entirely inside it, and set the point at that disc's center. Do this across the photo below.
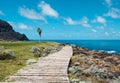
(7, 33)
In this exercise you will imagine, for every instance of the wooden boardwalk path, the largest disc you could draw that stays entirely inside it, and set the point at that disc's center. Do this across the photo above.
(49, 69)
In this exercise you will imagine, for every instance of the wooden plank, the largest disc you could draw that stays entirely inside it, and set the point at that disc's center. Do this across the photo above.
(50, 69)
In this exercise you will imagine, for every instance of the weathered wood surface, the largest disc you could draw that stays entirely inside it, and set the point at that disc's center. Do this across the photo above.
(50, 69)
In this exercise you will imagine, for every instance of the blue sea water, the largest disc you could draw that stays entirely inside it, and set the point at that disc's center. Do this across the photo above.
(110, 46)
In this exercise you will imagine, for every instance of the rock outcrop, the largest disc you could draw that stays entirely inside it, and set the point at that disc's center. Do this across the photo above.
(7, 33)
(94, 66)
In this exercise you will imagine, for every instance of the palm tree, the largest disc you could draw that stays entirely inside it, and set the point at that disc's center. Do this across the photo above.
(39, 30)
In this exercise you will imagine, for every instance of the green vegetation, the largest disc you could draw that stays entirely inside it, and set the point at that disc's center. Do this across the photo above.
(93, 66)
(22, 53)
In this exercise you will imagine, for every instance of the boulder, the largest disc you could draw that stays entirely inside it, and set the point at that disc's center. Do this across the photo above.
(101, 73)
(36, 51)
(51, 50)
(7, 54)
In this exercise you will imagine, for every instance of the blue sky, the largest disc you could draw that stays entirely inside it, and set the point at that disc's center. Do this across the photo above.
(64, 19)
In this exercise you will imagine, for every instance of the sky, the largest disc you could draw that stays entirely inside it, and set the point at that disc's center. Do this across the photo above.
(64, 19)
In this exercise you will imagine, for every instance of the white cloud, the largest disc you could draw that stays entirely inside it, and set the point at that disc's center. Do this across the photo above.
(24, 27)
(20, 26)
(113, 12)
(70, 21)
(1, 13)
(47, 10)
(83, 22)
(101, 19)
(93, 30)
(108, 2)
(31, 14)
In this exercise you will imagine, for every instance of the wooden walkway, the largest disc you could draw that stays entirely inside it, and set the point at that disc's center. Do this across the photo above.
(50, 69)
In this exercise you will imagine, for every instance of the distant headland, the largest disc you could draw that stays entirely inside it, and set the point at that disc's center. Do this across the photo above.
(8, 34)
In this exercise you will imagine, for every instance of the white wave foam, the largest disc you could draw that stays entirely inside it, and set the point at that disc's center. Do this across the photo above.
(111, 52)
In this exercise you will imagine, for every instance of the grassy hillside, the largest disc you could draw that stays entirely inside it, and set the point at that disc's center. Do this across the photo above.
(22, 52)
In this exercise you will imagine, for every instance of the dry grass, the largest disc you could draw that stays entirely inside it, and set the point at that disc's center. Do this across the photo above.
(22, 52)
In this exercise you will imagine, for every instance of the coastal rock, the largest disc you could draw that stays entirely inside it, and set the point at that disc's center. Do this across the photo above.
(76, 63)
(76, 69)
(51, 50)
(108, 64)
(36, 51)
(94, 65)
(75, 80)
(31, 61)
(7, 54)
(7, 33)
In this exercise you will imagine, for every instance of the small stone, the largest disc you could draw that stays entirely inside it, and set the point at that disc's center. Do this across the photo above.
(74, 80)
(115, 58)
(76, 63)
(108, 64)
(31, 61)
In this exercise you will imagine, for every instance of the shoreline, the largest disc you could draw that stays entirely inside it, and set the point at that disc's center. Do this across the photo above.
(94, 66)
(83, 60)
(114, 50)
(110, 46)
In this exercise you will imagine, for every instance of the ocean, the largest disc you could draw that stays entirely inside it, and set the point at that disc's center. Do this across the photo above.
(110, 46)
